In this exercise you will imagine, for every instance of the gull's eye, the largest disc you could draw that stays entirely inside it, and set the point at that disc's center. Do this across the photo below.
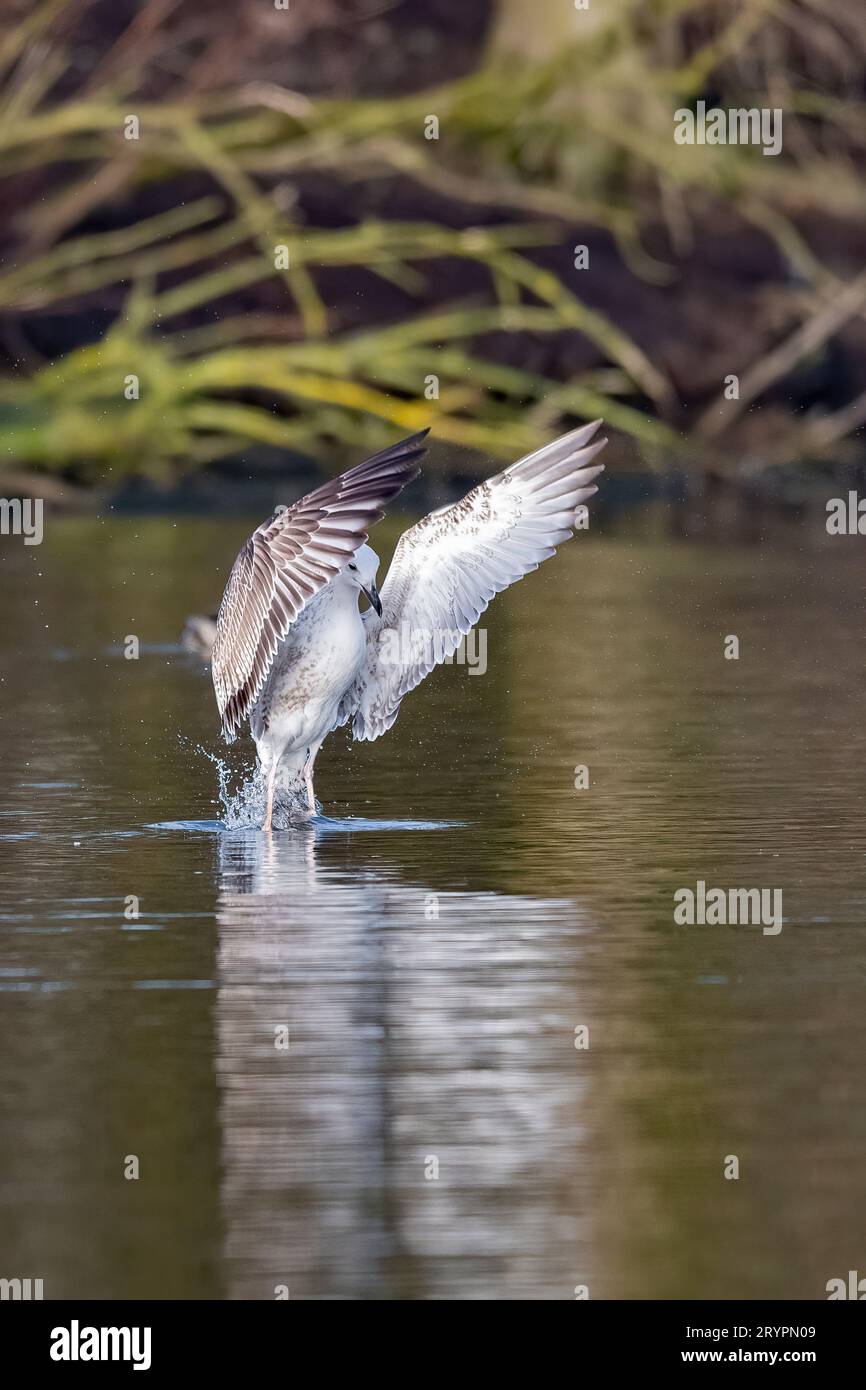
(353, 567)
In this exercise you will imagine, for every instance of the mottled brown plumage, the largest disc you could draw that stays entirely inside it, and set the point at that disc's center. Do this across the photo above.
(288, 560)
(294, 654)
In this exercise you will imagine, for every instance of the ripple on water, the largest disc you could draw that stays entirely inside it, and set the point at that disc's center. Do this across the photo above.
(323, 825)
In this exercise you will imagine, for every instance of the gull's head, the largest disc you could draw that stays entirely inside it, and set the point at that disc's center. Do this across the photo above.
(362, 570)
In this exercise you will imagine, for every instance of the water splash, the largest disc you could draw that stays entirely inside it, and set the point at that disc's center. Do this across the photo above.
(242, 793)
(243, 807)
(242, 802)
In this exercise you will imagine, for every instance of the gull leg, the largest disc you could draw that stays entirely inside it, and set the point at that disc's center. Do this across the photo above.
(269, 806)
(308, 778)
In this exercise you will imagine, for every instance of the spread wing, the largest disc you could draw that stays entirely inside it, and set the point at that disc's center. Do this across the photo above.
(288, 560)
(446, 570)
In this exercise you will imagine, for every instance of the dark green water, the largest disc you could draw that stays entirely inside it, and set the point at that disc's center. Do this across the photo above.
(433, 945)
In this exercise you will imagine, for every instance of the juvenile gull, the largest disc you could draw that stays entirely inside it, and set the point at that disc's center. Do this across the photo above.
(294, 654)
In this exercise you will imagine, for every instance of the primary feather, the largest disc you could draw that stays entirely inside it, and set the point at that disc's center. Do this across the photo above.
(287, 561)
(292, 652)
(446, 570)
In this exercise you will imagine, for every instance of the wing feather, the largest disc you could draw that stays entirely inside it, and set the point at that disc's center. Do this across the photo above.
(289, 559)
(446, 570)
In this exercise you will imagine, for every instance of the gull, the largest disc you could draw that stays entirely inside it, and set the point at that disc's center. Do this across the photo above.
(293, 653)
(199, 632)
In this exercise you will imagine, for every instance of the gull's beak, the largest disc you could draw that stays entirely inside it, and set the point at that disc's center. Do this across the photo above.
(373, 596)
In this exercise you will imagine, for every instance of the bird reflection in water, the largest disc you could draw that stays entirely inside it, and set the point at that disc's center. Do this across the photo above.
(418, 1136)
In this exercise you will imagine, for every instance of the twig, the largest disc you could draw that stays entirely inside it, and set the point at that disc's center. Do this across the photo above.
(777, 364)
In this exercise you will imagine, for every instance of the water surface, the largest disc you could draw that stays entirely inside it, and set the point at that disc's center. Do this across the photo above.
(430, 947)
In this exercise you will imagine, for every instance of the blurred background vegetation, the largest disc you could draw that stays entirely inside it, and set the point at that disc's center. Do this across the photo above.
(285, 260)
